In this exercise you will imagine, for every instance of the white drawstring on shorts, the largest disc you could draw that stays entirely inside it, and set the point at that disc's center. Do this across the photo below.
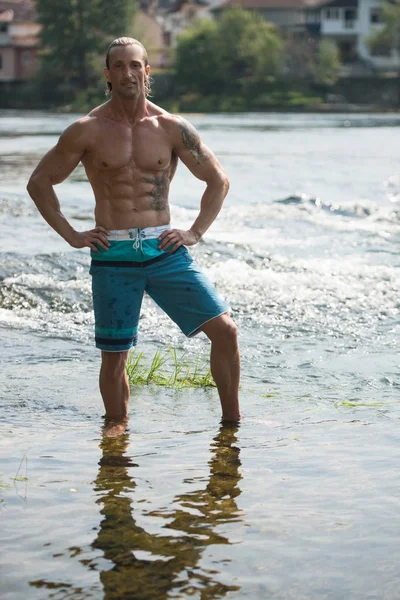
(140, 235)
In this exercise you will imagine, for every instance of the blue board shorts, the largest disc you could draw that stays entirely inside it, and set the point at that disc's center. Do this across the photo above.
(132, 265)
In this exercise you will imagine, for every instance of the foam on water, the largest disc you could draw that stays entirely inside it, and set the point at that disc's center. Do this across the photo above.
(319, 261)
(347, 297)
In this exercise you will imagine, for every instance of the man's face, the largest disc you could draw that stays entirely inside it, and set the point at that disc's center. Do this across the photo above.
(127, 72)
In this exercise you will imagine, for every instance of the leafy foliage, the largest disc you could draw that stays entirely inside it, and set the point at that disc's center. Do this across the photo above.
(197, 61)
(389, 35)
(327, 65)
(242, 62)
(230, 55)
(75, 34)
(387, 38)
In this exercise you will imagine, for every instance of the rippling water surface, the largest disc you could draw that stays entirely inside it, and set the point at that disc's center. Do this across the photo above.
(301, 501)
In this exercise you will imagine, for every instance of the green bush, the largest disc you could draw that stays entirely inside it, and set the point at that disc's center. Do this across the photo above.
(233, 104)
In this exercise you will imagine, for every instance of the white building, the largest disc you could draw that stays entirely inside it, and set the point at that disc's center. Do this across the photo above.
(179, 15)
(349, 23)
(290, 16)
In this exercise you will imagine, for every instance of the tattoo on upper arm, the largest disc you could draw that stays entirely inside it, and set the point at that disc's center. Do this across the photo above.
(191, 141)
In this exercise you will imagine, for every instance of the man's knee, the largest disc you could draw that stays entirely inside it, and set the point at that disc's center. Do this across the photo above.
(222, 329)
(114, 362)
(230, 331)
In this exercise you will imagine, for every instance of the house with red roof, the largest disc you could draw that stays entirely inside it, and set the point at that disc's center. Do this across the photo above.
(19, 40)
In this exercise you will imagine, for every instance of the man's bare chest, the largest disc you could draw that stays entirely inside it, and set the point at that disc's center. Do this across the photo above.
(117, 149)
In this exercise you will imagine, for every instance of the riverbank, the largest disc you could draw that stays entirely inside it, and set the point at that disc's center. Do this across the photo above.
(361, 94)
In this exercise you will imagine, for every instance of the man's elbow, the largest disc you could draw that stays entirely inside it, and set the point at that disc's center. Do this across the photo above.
(32, 185)
(219, 183)
(224, 183)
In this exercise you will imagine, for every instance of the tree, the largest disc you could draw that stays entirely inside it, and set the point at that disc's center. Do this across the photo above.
(238, 51)
(196, 57)
(298, 58)
(388, 37)
(74, 34)
(249, 49)
(260, 49)
(327, 64)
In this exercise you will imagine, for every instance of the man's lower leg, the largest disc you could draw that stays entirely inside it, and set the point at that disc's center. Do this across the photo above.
(114, 385)
(225, 363)
(225, 369)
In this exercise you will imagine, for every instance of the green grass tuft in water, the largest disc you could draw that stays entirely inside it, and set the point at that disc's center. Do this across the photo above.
(19, 477)
(184, 372)
(357, 404)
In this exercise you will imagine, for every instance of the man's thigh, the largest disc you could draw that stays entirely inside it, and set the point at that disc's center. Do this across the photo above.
(117, 297)
(184, 292)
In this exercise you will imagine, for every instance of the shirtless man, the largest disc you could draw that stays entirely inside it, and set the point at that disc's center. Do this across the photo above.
(129, 148)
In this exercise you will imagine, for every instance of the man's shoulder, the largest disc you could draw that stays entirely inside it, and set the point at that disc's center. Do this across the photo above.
(82, 126)
(83, 130)
(171, 123)
(181, 132)
(92, 119)
(98, 112)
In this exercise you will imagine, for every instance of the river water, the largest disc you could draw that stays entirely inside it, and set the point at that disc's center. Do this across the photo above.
(302, 500)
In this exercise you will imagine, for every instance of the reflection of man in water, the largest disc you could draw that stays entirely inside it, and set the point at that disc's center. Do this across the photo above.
(129, 148)
(154, 566)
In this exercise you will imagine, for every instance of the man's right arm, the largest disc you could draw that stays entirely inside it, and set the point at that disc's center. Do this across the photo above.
(54, 168)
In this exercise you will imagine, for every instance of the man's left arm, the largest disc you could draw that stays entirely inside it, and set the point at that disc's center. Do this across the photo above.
(205, 166)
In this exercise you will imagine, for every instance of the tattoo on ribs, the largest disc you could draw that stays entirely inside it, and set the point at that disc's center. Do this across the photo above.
(159, 191)
(191, 140)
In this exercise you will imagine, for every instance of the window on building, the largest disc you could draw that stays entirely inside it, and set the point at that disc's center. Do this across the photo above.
(313, 17)
(350, 17)
(1, 62)
(381, 50)
(3, 27)
(332, 13)
(167, 38)
(376, 15)
(26, 57)
(350, 14)
(348, 51)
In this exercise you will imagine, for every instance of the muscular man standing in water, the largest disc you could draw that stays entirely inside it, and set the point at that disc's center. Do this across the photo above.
(129, 148)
